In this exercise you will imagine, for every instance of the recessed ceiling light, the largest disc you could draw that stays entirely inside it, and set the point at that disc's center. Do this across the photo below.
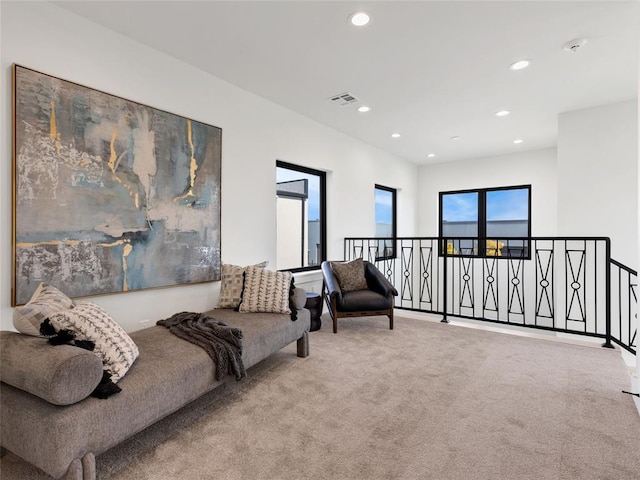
(363, 109)
(519, 65)
(359, 19)
(455, 137)
(518, 140)
(395, 135)
(502, 113)
(431, 155)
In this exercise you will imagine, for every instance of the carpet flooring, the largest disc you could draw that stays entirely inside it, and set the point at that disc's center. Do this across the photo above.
(424, 401)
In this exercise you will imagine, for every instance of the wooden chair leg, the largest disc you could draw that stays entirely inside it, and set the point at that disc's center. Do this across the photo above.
(334, 315)
(391, 319)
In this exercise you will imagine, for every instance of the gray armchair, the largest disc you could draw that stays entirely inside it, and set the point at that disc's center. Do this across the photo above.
(377, 299)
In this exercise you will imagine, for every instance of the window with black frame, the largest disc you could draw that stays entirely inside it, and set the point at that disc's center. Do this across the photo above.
(301, 219)
(487, 222)
(385, 218)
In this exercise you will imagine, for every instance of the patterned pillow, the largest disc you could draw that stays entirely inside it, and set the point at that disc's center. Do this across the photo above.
(232, 278)
(45, 301)
(266, 291)
(90, 322)
(350, 275)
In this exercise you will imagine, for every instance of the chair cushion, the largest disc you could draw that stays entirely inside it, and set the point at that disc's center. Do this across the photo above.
(358, 300)
(350, 275)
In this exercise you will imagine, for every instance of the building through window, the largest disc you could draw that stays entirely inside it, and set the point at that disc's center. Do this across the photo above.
(301, 221)
(491, 222)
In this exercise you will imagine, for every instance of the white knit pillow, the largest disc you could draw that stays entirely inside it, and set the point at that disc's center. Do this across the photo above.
(266, 291)
(45, 301)
(90, 322)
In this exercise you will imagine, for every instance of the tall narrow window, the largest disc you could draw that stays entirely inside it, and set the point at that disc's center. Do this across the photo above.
(301, 221)
(385, 217)
(492, 222)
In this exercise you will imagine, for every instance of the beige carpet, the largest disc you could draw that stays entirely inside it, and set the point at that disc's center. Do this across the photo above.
(424, 401)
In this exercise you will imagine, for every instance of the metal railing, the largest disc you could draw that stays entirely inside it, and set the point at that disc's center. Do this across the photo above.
(561, 284)
(624, 314)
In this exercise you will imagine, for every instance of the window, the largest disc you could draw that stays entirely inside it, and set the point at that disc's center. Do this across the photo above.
(490, 222)
(385, 217)
(301, 220)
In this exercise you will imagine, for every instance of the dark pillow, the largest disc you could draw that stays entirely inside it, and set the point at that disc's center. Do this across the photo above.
(350, 275)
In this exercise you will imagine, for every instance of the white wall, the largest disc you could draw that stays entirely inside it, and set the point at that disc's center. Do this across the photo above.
(536, 168)
(598, 176)
(255, 132)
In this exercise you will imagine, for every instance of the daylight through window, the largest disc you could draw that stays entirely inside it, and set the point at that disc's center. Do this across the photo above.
(301, 218)
(385, 217)
(491, 222)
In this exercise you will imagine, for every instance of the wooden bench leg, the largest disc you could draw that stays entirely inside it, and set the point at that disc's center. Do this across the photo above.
(303, 345)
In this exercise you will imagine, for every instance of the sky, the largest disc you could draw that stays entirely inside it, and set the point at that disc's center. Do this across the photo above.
(383, 201)
(313, 202)
(501, 205)
(383, 198)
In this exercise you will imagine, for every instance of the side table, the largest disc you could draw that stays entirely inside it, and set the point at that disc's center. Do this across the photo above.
(314, 305)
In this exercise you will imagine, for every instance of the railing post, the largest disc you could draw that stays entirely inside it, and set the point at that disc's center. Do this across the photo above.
(444, 274)
(607, 276)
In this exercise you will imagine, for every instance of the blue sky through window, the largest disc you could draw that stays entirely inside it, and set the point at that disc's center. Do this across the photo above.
(508, 204)
(313, 202)
(460, 207)
(384, 206)
(511, 204)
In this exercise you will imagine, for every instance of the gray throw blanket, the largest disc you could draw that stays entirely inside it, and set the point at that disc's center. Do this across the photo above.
(222, 342)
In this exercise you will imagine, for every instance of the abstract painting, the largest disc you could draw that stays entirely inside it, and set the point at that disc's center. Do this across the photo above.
(109, 195)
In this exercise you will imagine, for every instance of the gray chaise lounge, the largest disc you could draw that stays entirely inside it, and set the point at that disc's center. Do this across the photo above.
(168, 374)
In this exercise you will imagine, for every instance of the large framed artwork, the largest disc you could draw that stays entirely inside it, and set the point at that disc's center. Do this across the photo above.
(109, 195)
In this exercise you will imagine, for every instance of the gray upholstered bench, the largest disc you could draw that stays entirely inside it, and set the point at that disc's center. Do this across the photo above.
(169, 373)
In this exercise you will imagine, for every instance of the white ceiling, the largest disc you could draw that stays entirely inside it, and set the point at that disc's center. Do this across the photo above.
(429, 70)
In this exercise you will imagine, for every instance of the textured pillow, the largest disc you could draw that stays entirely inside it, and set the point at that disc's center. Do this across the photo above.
(350, 275)
(90, 322)
(232, 278)
(45, 301)
(61, 375)
(298, 298)
(266, 291)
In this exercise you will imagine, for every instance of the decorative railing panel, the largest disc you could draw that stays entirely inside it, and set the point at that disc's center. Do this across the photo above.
(550, 283)
(624, 315)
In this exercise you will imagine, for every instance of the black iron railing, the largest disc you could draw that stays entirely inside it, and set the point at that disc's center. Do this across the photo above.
(624, 304)
(562, 284)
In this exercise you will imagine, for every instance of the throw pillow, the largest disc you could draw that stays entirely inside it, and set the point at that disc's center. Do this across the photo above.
(232, 281)
(266, 291)
(45, 301)
(350, 275)
(112, 344)
(298, 298)
(62, 375)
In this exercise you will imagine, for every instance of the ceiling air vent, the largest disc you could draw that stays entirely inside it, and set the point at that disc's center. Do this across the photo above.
(343, 99)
